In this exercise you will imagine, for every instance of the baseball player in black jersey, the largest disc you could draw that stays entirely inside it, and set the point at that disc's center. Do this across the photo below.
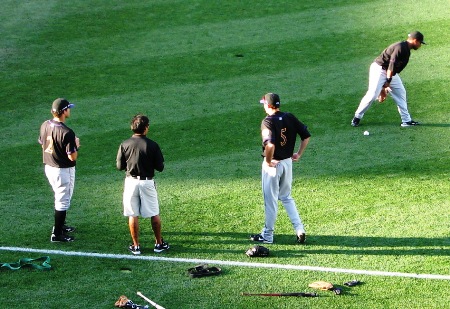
(140, 156)
(384, 74)
(279, 132)
(60, 152)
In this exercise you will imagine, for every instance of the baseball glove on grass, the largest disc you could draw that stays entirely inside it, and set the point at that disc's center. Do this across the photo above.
(325, 286)
(257, 251)
(321, 285)
(122, 301)
(203, 270)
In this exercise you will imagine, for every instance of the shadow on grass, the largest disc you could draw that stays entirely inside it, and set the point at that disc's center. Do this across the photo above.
(316, 244)
(438, 125)
(396, 124)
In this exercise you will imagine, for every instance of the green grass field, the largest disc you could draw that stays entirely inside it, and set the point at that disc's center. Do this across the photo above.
(198, 68)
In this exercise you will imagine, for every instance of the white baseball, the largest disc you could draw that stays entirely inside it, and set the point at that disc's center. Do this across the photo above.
(366, 133)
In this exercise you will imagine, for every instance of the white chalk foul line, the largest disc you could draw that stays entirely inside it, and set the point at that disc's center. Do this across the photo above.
(229, 263)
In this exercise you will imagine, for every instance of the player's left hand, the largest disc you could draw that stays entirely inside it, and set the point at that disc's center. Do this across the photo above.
(383, 94)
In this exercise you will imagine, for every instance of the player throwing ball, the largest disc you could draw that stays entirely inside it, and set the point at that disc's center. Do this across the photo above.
(60, 152)
(279, 132)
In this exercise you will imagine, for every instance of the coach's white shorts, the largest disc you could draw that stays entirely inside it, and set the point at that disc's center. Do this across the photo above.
(140, 198)
(62, 181)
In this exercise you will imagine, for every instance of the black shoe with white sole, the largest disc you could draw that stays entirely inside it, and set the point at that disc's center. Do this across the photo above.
(136, 250)
(61, 238)
(301, 238)
(260, 238)
(161, 247)
(355, 122)
(409, 123)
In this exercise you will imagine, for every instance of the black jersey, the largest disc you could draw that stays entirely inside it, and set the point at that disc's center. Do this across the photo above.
(58, 141)
(283, 130)
(140, 156)
(395, 57)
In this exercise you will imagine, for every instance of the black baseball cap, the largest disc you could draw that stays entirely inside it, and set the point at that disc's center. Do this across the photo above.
(272, 99)
(417, 35)
(60, 105)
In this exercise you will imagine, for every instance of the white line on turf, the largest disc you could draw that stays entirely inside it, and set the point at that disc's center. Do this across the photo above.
(229, 263)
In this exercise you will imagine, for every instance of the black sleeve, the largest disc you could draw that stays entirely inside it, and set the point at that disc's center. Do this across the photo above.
(302, 129)
(121, 163)
(395, 53)
(159, 159)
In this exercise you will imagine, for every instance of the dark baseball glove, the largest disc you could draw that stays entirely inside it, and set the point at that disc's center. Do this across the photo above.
(352, 283)
(203, 270)
(257, 251)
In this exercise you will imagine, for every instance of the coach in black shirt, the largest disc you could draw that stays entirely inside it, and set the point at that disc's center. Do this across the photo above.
(140, 156)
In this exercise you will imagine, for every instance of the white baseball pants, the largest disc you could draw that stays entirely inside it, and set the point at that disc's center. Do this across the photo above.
(62, 181)
(377, 78)
(277, 185)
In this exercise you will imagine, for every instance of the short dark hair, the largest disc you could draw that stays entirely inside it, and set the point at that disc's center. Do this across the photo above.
(139, 123)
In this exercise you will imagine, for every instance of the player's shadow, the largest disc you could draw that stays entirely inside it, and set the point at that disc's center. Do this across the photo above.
(439, 125)
(374, 245)
(286, 246)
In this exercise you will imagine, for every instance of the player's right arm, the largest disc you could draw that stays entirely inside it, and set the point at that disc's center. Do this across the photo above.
(269, 150)
(269, 147)
(121, 163)
(390, 72)
(73, 156)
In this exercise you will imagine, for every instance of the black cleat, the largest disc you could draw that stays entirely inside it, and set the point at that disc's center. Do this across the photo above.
(259, 238)
(409, 123)
(355, 122)
(61, 238)
(301, 238)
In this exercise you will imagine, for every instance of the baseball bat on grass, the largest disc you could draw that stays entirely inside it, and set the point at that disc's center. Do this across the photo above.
(150, 301)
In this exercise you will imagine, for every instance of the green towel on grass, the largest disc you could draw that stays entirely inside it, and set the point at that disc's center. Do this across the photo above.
(27, 262)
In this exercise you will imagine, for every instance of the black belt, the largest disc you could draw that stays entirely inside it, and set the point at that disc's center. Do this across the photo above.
(141, 177)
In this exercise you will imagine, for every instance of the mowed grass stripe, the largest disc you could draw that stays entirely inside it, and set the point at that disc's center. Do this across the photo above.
(231, 263)
(366, 201)
(190, 39)
(176, 99)
(182, 40)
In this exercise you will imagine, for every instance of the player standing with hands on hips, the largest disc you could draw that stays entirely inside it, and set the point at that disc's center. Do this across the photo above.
(140, 156)
(60, 152)
(279, 132)
(384, 75)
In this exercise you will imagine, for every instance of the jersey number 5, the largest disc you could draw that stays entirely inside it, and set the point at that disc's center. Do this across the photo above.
(283, 137)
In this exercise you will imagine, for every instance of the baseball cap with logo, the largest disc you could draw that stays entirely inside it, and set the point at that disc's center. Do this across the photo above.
(271, 99)
(417, 35)
(60, 105)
